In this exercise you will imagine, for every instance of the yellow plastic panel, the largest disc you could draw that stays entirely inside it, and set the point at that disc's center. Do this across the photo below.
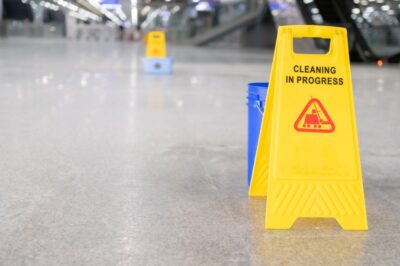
(307, 159)
(155, 41)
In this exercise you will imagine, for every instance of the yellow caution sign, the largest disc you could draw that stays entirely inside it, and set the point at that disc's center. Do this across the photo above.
(155, 44)
(307, 159)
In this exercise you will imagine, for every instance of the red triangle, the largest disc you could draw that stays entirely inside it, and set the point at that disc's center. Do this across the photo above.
(314, 118)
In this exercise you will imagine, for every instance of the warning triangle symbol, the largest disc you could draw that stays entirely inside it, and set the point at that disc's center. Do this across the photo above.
(314, 118)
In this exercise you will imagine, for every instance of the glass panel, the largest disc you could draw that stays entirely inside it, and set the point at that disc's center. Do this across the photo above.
(184, 22)
(379, 24)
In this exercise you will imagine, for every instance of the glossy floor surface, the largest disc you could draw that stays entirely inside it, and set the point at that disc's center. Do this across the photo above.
(103, 165)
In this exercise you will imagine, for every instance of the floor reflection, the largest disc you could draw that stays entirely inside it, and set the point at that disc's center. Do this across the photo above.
(310, 241)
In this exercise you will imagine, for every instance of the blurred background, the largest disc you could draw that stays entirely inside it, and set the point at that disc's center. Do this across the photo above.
(373, 25)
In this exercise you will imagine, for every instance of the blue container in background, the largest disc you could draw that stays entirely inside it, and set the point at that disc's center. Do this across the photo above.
(158, 65)
(256, 94)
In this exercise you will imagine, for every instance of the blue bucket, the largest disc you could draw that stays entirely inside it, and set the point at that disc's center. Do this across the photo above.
(256, 95)
(158, 65)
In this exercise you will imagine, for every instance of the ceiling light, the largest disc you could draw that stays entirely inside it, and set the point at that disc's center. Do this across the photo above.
(369, 9)
(314, 10)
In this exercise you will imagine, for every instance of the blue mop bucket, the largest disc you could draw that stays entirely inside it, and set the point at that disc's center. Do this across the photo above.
(256, 94)
(158, 65)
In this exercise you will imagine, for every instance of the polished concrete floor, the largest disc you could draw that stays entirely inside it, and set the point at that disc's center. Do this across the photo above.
(103, 165)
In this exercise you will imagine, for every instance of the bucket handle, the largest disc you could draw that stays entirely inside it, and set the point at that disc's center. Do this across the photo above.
(258, 105)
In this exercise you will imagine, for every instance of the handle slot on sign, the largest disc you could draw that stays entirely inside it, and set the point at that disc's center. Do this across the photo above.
(311, 45)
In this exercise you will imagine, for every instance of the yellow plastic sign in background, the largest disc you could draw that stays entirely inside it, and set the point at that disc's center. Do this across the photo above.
(155, 45)
(307, 159)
